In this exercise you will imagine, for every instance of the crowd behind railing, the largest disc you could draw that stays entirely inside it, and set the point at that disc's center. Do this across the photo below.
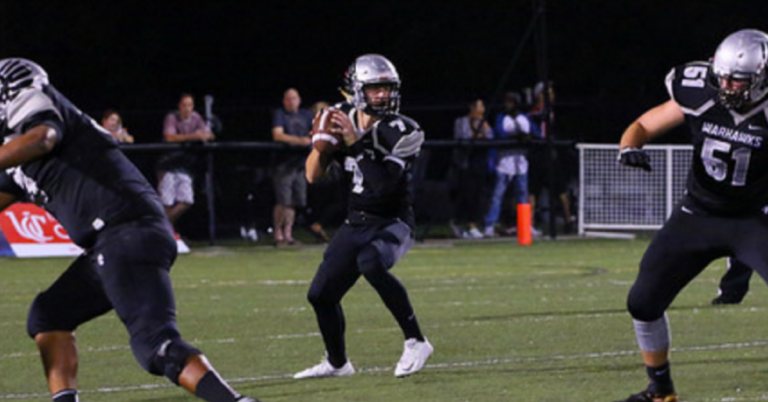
(465, 188)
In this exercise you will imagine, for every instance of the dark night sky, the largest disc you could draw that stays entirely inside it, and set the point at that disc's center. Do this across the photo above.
(607, 58)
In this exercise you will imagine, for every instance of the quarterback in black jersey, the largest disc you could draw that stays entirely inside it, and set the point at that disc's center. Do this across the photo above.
(61, 159)
(380, 148)
(724, 212)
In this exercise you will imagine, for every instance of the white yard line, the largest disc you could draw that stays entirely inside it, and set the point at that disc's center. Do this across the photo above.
(446, 365)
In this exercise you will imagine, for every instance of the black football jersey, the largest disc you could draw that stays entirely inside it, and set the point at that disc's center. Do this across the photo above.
(85, 182)
(729, 173)
(379, 166)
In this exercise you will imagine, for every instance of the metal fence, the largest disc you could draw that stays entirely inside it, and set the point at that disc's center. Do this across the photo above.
(234, 179)
(616, 197)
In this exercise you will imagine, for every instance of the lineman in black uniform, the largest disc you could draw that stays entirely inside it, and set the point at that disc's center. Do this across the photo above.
(723, 213)
(381, 146)
(58, 157)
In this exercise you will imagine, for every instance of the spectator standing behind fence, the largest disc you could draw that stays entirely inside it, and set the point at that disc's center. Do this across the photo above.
(113, 123)
(542, 176)
(175, 170)
(511, 163)
(290, 125)
(469, 172)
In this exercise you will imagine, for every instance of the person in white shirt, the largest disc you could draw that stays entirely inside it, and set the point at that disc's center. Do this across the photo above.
(511, 163)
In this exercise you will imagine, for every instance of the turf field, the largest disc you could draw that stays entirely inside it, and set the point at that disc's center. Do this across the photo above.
(509, 323)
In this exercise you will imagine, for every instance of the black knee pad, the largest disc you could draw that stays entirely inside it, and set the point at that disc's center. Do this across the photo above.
(44, 316)
(640, 308)
(36, 318)
(171, 358)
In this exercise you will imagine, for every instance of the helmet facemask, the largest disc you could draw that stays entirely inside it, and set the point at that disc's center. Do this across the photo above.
(387, 106)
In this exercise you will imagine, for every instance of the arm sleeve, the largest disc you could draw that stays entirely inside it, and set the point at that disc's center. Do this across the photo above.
(200, 123)
(278, 119)
(169, 126)
(509, 126)
(498, 127)
(523, 124)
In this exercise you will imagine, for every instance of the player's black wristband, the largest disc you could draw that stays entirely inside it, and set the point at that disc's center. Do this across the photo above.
(635, 157)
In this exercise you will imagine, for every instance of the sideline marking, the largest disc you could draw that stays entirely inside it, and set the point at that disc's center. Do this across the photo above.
(447, 365)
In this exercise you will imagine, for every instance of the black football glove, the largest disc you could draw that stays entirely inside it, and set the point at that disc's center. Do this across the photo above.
(635, 157)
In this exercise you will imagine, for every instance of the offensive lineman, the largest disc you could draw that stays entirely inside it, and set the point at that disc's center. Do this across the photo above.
(59, 158)
(724, 211)
(381, 146)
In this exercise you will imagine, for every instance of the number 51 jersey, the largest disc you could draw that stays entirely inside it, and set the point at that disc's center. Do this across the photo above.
(729, 171)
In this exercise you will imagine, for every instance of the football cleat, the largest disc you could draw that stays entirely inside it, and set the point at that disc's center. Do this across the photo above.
(727, 298)
(648, 396)
(326, 369)
(415, 355)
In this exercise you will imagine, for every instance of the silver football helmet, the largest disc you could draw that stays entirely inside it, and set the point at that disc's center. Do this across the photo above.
(15, 76)
(743, 55)
(367, 70)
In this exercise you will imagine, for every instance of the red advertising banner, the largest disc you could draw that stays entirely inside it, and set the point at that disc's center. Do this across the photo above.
(30, 231)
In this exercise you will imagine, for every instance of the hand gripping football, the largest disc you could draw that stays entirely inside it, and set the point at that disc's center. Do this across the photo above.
(323, 139)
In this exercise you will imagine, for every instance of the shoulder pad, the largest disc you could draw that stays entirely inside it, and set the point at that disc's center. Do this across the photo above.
(398, 136)
(688, 85)
(29, 102)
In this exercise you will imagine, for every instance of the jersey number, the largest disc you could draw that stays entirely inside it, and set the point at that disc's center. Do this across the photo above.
(694, 76)
(399, 124)
(350, 165)
(717, 167)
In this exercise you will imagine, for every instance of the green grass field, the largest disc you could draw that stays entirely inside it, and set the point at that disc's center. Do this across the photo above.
(509, 323)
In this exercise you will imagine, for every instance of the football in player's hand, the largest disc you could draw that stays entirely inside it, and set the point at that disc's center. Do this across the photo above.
(323, 139)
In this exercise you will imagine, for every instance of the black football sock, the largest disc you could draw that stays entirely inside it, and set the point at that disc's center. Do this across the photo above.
(661, 379)
(330, 319)
(212, 388)
(395, 297)
(67, 395)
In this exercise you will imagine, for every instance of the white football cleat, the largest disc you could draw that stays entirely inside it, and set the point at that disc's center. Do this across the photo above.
(415, 355)
(326, 369)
